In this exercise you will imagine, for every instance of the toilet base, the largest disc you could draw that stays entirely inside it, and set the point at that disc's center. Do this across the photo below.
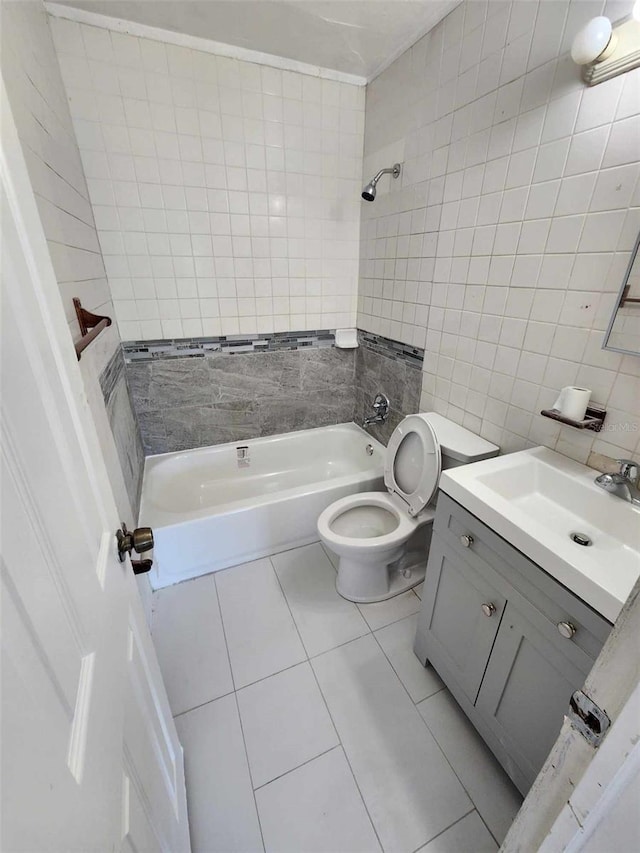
(364, 583)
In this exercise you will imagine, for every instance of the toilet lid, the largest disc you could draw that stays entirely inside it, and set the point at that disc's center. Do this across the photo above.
(413, 463)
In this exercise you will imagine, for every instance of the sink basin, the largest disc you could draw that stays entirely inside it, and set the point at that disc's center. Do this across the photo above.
(536, 499)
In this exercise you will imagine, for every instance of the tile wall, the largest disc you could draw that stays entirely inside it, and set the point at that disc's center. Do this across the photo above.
(126, 433)
(390, 368)
(501, 247)
(217, 395)
(226, 193)
(38, 102)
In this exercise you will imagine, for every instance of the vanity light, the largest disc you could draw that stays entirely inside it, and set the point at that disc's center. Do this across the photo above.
(605, 50)
(594, 43)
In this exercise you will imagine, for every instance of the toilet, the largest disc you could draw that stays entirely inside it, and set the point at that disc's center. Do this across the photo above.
(371, 531)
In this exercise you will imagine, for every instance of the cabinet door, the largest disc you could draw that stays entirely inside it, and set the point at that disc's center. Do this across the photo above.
(458, 634)
(527, 686)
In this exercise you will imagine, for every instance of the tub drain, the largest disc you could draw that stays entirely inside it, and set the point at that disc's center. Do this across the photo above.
(581, 539)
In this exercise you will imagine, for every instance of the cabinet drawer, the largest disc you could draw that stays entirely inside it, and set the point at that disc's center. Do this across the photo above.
(551, 598)
(460, 616)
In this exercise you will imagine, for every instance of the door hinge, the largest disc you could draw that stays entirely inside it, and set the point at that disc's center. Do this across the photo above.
(585, 716)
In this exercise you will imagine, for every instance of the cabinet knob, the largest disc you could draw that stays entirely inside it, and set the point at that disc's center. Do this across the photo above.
(488, 609)
(566, 630)
(467, 540)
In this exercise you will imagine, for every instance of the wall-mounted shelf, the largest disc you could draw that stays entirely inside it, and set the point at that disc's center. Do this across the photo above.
(594, 418)
(90, 326)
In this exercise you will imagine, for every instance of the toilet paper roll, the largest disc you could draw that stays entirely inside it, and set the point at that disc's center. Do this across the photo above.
(346, 338)
(572, 402)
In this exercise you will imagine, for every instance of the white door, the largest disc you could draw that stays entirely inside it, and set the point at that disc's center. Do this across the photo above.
(90, 755)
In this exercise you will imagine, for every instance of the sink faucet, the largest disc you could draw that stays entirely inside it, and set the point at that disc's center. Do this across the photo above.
(624, 484)
(381, 409)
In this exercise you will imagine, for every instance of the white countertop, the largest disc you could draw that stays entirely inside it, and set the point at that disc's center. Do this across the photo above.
(534, 499)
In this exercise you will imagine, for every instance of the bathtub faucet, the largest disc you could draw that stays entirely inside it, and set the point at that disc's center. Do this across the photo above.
(381, 409)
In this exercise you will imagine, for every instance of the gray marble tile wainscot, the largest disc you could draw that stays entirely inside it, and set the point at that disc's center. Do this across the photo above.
(124, 426)
(392, 368)
(215, 397)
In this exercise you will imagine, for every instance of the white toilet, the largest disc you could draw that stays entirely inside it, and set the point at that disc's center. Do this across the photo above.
(370, 531)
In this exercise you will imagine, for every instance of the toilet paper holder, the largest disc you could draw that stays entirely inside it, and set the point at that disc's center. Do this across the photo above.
(593, 419)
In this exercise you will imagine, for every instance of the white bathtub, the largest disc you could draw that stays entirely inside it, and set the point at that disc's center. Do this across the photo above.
(209, 511)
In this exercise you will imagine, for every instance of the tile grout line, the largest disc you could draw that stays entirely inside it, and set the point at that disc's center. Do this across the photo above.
(335, 728)
(346, 758)
(202, 704)
(364, 618)
(393, 621)
(271, 674)
(415, 705)
(246, 755)
(344, 749)
(397, 674)
(487, 826)
(298, 766)
(286, 601)
(235, 697)
(442, 832)
(464, 787)
(224, 632)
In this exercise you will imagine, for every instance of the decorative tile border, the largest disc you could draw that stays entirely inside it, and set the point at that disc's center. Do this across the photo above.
(230, 344)
(411, 356)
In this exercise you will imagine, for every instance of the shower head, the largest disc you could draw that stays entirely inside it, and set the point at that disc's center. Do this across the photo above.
(369, 192)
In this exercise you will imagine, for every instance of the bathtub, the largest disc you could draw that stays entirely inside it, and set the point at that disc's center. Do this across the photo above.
(215, 507)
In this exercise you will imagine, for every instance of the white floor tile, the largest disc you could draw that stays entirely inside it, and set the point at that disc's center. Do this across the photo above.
(411, 792)
(382, 613)
(469, 835)
(324, 619)
(261, 634)
(316, 809)
(397, 644)
(493, 794)
(189, 640)
(222, 811)
(285, 723)
(333, 558)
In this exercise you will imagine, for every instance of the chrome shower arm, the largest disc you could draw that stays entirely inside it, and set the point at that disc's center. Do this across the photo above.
(395, 171)
(369, 192)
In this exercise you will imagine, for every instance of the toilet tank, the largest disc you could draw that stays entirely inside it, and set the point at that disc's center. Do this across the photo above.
(458, 445)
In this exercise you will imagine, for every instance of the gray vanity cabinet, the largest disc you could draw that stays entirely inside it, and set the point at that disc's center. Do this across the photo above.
(452, 604)
(510, 642)
(526, 688)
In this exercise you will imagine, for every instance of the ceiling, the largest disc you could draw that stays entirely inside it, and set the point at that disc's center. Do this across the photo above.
(359, 37)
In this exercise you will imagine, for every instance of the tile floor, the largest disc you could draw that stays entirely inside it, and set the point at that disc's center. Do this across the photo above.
(309, 725)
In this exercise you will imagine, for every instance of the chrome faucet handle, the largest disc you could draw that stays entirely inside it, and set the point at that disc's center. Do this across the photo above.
(381, 401)
(609, 482)
(628, 469)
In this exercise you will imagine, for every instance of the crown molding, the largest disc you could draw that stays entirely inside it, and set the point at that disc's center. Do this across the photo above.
(119, 25)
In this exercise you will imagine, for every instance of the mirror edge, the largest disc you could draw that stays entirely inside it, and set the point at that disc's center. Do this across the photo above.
(614, 313)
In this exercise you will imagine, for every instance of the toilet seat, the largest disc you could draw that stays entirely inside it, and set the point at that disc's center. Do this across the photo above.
(405, 525)
(413, 463)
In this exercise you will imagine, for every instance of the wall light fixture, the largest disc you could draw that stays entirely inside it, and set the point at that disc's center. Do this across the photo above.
(605, 50)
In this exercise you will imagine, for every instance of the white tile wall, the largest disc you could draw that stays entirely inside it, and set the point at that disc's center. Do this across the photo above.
(503, 244)
(37, 97)
(38, 102)
(226, 193)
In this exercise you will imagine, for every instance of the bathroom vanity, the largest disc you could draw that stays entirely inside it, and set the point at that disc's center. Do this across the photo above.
(511, 642)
